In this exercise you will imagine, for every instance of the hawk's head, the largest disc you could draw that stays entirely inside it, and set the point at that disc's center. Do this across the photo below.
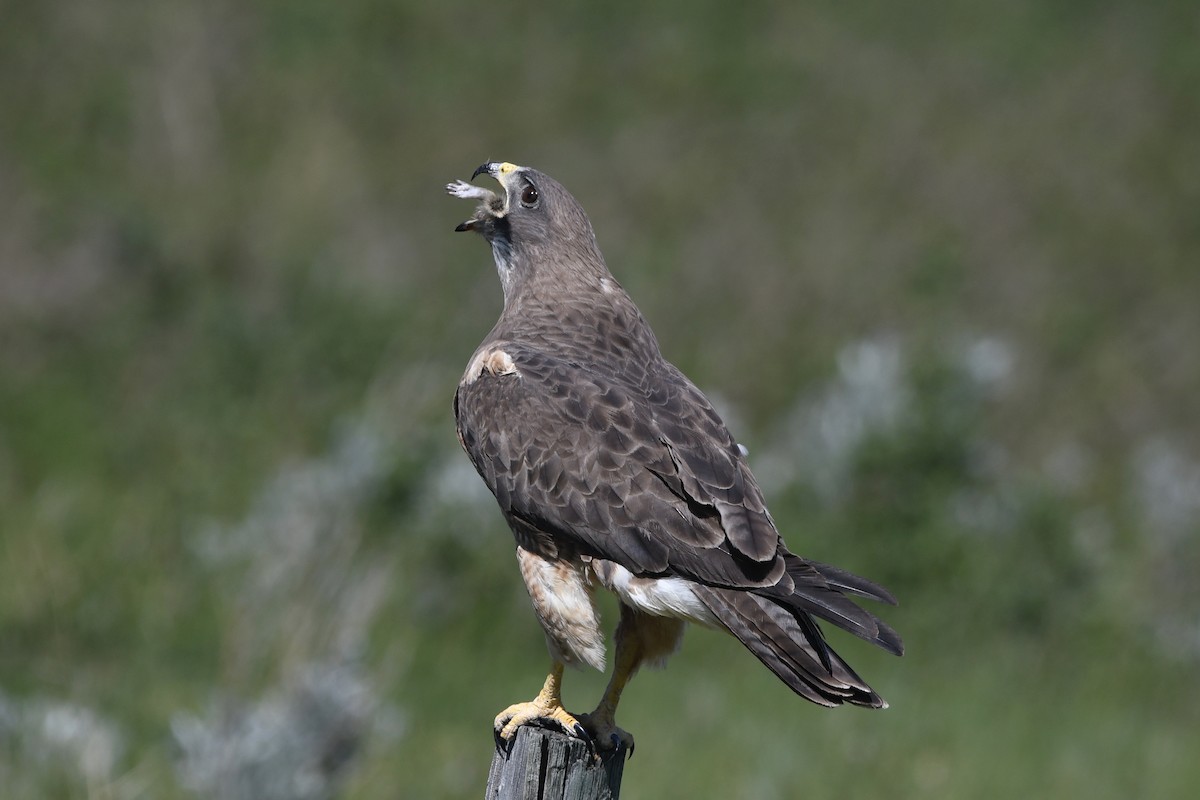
(533, 220)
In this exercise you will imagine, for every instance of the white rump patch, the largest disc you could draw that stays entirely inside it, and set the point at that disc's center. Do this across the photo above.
(662, 597)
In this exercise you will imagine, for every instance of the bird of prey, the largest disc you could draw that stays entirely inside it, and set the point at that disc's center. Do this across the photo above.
(612, 469)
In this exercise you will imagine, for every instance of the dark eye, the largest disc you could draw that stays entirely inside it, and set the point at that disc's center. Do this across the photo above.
(529, 196)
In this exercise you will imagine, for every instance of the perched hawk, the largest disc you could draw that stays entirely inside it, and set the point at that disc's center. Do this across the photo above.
(613, 469)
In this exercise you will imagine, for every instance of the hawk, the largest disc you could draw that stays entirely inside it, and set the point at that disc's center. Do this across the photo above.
(612, 469)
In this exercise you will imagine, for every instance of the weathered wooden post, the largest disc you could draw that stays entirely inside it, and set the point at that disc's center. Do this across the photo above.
(542, 764)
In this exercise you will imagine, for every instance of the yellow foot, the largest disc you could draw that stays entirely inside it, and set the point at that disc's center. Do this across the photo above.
(519, 714)
(605, 733)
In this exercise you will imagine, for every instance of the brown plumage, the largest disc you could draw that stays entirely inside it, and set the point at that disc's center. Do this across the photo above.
(610, 465)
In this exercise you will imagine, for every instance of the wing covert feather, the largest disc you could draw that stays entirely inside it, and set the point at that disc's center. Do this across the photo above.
(640, 477)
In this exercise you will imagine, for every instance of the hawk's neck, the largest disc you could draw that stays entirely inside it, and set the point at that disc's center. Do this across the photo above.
(595, 323)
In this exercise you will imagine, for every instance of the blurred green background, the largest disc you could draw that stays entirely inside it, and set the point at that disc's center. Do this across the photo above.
(938, 265)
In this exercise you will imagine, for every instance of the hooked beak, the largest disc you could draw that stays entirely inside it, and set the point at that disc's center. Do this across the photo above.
(493, 205)
(499, 170)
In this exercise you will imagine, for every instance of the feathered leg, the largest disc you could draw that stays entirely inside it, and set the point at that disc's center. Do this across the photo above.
(641, 639)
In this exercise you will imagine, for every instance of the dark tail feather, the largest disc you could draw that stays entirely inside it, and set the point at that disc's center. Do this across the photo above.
(852, 584)
(813, 591)
(789, 643)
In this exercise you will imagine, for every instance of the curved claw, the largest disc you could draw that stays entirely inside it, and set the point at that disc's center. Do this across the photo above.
(510, 719)
(604, 731)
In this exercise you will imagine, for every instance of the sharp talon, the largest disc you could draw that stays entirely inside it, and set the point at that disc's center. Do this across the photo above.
(631, 746)
(538, 712)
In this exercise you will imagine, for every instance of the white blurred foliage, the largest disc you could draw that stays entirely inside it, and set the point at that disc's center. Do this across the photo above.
(301, 591)
(819, 438)
(294, 744)
(986, 360)
(871, 394)
(1167, 484)
(301, 509)
(60, 737)
(299, 544)
(454, 501)
(1167, 488)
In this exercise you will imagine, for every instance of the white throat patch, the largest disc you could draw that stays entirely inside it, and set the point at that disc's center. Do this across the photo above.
(502, 253)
